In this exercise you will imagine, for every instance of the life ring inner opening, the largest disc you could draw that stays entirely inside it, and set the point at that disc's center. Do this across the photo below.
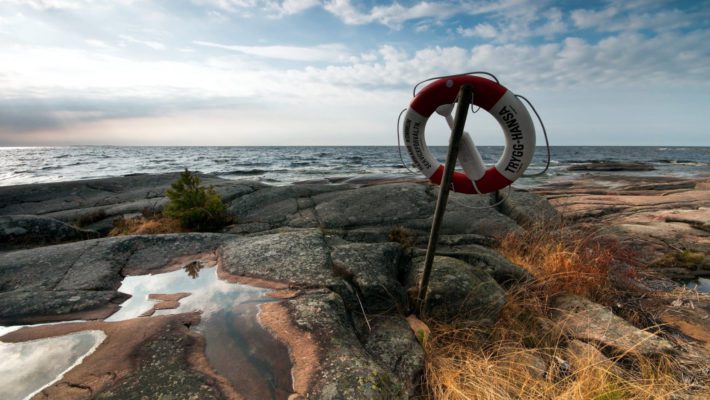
(505, 108)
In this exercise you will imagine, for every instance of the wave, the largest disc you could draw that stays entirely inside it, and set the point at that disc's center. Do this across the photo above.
(248, 172)
(683, 162)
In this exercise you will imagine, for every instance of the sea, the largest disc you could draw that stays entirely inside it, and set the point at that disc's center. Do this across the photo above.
(284, 165)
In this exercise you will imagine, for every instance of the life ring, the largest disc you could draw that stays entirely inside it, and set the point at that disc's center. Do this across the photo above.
(502, 104)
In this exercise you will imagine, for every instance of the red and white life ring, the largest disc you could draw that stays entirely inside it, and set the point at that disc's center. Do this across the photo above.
(500, 102)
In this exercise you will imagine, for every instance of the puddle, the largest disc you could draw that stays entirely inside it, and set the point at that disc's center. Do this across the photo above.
(208, 293)
(28, 367)
(700, 284)
(237, 347)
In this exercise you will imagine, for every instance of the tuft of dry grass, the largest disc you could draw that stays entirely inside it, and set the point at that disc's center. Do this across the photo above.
(526, 355)
(402, 236)
(145, 226)
(565, 260)
(91, 217)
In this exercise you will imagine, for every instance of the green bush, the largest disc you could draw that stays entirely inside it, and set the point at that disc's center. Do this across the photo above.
(196, 207)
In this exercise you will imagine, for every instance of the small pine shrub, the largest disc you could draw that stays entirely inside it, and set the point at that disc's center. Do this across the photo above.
(196, 207)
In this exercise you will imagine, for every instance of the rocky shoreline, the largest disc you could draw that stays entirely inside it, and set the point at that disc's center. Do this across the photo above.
(342, 263)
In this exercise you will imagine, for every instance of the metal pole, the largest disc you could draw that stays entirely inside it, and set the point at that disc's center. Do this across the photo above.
(464, 100)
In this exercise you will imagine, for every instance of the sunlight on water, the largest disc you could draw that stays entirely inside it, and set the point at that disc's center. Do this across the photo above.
(28, 367)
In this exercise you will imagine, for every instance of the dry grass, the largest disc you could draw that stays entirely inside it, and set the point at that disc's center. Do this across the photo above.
(402, 236)
(525, 355)
(566, 260)
(91, 217)
(145, 226)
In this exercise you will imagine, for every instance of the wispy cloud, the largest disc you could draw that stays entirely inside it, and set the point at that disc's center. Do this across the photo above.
(326, 52)
(49, 4)
(97, 43)
(290, 7)
(392, 15)
(148, 43)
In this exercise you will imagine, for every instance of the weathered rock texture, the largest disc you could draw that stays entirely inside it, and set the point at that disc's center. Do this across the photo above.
(96, 202)
(17, 231)
(653, 215)
(588, 321)
(374, 269)
(345, 368)
(344, 252)
(46, 283)
(458, 290)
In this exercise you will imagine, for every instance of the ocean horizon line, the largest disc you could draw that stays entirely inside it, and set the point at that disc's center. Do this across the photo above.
(326, 145)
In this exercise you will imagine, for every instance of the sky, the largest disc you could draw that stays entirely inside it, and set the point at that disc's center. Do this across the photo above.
(338, 72)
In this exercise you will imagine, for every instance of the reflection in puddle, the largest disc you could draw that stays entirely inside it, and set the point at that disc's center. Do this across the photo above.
(237, 347)
(207, 293)
(28, 367)
(700, 284)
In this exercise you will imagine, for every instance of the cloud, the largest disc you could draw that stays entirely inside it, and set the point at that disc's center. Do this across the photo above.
(148, 43)
(228, 5)
(585, 19)
(514, 22)
(326, 52)
(97, 43)
(49, 4)
(274, 8)
(485, 30)
(289, 7)
(637, 16)
(392, 15)
(625, 60)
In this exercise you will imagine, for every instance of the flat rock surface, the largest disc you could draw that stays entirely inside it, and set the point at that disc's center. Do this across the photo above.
(654, 215)
(458, 290)
(374, 269)
(300, 258)
(18, 231)
(486, 259)
(588, 321)
(345, 370)
(393, 344)
(376, 205)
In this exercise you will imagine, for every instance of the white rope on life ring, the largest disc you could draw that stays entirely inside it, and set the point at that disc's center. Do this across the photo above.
(501, 103)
